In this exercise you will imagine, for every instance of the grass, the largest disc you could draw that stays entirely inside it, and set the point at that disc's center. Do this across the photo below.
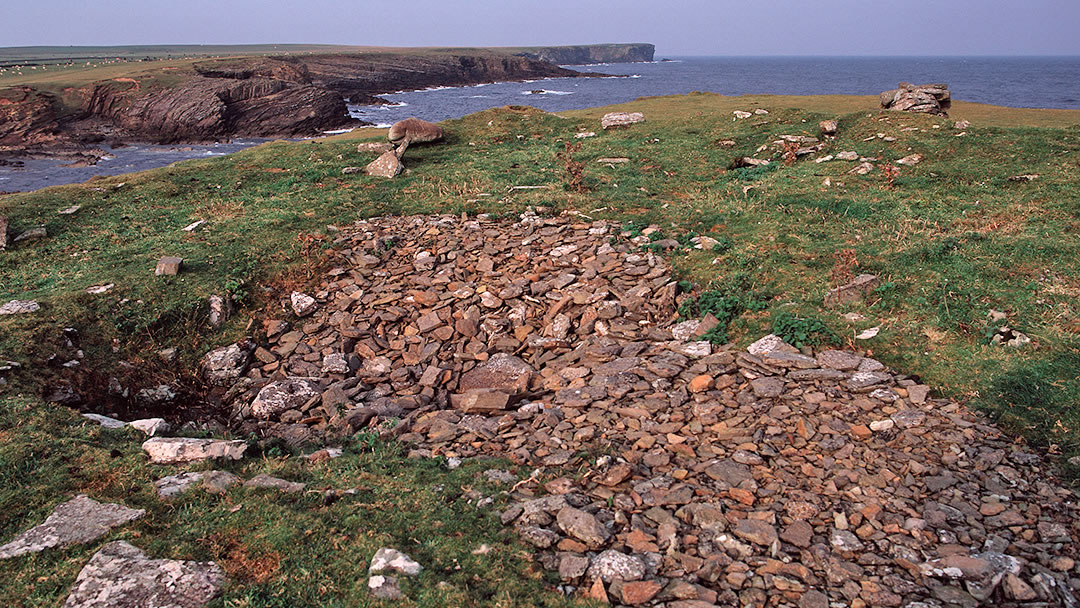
(951, 240)
(277, 549)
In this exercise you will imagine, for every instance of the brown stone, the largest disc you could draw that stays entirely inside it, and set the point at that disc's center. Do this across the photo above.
(700, 384)
(168, 266)
(583, 526)
(636, 592)
(501, 372)
(482, 401)
(756, 531)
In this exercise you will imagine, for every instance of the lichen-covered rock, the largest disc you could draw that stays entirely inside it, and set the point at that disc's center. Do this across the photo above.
(617, 120)
(121, 576)
(79, 520)
(176, 450)
(19, 307)
(387, 165)
(502, 372)
(302, 304)
(225, 365)
(612, 565)
(174, 485)
(283, 395)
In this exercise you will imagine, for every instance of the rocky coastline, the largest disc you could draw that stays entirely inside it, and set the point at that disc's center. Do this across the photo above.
(268, 96)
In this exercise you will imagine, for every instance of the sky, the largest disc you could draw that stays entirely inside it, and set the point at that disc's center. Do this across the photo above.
(676, 27)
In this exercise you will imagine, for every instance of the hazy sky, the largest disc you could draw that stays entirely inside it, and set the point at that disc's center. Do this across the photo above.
(689, 27)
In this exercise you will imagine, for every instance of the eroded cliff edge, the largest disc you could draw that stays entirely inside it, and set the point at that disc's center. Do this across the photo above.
(271, 96)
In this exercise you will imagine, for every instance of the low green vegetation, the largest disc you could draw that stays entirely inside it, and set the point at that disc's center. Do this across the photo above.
(278, 550)
(951, 239)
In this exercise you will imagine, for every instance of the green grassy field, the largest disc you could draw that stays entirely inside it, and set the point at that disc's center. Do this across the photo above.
(951, 239)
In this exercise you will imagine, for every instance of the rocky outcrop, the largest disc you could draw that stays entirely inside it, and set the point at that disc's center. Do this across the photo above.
(203, 109)
(591, 53)
(920, 98)
(28, 118)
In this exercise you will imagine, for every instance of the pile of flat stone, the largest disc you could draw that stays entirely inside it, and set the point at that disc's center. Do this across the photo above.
(438, 314)
(671, 471)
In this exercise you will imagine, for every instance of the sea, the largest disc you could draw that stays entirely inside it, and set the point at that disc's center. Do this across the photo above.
(1029, 82)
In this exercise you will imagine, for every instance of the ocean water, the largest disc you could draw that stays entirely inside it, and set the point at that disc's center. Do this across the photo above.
(39, 173)
(1040, 82)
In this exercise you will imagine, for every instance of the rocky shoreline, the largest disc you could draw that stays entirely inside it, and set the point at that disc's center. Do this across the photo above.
(219, 99)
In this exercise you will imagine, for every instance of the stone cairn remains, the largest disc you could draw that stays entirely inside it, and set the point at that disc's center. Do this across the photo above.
(666, 471)
(921, 98)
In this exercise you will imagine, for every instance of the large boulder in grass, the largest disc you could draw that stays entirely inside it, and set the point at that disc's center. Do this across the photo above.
(121, 576)
(919, 98)
(619, 120)
(387, 165)
(413, 131)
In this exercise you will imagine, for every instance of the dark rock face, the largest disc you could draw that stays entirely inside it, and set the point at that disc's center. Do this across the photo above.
(250, 97)
(27, 117)
(592, 53)
(204, 109)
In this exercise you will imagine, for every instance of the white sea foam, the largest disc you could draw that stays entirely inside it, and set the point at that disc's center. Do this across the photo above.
(337, 131)
(547, 92)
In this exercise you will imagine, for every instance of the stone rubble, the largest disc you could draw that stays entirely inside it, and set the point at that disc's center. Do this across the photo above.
(771, 476)
(923, 98)
(79, 520)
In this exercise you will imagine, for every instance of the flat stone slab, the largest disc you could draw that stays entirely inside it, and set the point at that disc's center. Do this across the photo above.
(173, 450)
(79, 520)
(122, 576)
(175, 485)
(274, 483)
(615, 120)
(19, 307)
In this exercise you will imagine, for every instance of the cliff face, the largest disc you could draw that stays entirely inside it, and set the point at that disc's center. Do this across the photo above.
(591, 53)
(357, 76)
(203, 109)
(287, 96)
(27, 115)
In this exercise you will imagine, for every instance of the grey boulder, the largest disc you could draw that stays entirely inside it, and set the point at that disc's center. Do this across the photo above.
(79, 520)
(121, 576)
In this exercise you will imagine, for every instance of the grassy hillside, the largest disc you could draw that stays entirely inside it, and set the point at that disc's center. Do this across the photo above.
(951, 239)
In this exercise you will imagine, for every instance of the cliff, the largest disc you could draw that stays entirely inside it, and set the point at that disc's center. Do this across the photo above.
(590, 53)
(261, 96)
